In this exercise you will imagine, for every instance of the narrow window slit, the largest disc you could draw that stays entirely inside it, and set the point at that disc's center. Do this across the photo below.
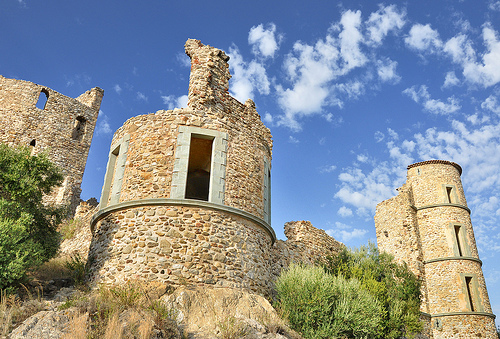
(42, 99)
(457, 237)
(79, 128)
(468, 284)
(448, 193)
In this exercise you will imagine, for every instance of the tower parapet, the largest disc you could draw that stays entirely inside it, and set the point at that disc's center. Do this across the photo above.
(47, 121)
(428, 226)
(186, 196)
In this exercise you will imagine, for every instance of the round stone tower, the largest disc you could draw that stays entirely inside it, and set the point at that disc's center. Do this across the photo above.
(186, 197)
(435, 237)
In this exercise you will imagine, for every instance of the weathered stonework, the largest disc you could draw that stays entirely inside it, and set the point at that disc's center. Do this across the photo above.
(148, 227)
(63, 129)
(305, 244)
(428, 226)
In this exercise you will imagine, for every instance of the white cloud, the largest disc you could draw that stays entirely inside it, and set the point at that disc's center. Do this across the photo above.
(183, 59)
(432, 105)
(102, 126)
(491, 104)
(344, 212)
(460, 49)
(264, 40)
(379, 136)
(451, 80)
(350, 39)
(247, 76)
(383, 21)
(117, 88)
(494, 5)
(345, 232)
(268, 118)
(172, 101)
(327, 169)
(486, 72)
(386, 70)
(362, 158)
(293, 140)
(141, 96)
(423, 38)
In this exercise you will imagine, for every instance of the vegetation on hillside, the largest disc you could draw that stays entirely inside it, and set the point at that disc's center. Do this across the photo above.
(28, 228)
(357, 294)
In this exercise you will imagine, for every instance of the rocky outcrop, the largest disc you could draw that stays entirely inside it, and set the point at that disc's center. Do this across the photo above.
(211, 312)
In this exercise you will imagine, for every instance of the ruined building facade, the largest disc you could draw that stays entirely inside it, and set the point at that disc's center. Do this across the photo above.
(428, 226)
(186, 196)
(38, 117)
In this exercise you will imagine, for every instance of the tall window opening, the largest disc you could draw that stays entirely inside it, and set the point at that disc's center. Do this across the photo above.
(449, 191)
(42, 99)
(459, 243)
(469, 287)
(79, 128)
(199, 164)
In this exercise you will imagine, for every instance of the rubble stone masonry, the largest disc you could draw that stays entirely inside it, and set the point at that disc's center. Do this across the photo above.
(148, 225)
(428, 226)
(62, 127)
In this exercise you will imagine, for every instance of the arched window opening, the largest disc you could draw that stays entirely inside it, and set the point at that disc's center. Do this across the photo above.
(79, 128)
(200, 160)
(42, 99)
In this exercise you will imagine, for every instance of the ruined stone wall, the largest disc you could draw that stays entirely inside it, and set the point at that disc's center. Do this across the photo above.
(63, 129)
(305, 244)
(428, 226)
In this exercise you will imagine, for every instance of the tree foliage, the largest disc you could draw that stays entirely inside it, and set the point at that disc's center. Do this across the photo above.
(28, 228)
(392, 284)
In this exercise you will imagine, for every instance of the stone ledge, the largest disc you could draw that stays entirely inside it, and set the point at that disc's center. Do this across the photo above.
(441, 205)
(182, 202)
(451, 314)
(453, 258)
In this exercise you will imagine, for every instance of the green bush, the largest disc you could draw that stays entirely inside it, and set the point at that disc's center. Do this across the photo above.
(28, 228)
(392, 284)
(320, 305)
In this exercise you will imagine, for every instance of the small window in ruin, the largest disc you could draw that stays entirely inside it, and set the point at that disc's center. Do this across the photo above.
(42, 99)
(200, 160)
(448, 193)
(457, 237)
(469, 286)
(79, 128)
(32, 146)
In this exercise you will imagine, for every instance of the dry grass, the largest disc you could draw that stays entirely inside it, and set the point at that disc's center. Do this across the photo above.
(14, 311)
(53, 269)
(131, 310)
(77, 327)
(231, 327)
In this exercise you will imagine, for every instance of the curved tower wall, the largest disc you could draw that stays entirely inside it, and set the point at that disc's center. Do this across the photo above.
(437, 241)
(60, 126)
(150, 225)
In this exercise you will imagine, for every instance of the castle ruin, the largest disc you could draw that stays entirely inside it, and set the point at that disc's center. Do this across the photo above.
(428, 226)
(38, 117)
(186, 199)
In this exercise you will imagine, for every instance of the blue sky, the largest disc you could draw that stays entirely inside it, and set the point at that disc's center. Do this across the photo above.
(353, 92)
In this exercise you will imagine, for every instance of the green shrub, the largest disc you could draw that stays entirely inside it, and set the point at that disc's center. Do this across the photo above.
(78, 269)
(392, 284)
(320, 305)
(28, 228)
